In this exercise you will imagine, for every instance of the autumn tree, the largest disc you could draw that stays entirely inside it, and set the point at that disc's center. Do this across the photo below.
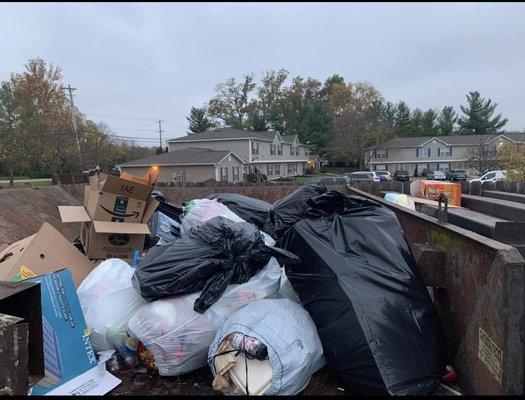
(45, 117)
(511, 157)
(13, 145)
(232, 102)
(478, 118)
(198, 120)
(358, 121)
(446, 123)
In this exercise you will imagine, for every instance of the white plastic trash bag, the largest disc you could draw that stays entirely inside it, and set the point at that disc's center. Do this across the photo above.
(201, 210)
(401, 199)
(108, 300)
(289, 333)
(286, 289)
(178, 338)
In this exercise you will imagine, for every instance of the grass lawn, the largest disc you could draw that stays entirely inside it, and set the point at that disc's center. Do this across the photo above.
(22, 182)
(301, 180)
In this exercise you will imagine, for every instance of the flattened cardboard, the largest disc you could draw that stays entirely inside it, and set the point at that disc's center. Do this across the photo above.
(73, 214)
(119, 227)
(42, 253)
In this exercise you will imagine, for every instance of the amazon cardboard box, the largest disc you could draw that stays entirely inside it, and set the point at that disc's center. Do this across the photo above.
(113, 199)
(42, 253)
(105, 239)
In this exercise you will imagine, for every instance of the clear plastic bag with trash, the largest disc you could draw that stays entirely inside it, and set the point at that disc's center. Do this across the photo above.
(178, 338)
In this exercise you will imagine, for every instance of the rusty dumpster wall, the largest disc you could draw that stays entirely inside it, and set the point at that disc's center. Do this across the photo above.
(480, 302)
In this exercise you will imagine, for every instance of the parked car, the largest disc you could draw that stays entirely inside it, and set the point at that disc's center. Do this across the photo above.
(436, 176)
(362, 176)
(328, 180)
(400, 175)
(491, 176)
(383, 176)
(456, 175)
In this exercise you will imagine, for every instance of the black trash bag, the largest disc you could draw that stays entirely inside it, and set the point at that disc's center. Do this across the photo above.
(360, 283)
(287, 211)
(249, 209)
(213, 255)
(78, 244)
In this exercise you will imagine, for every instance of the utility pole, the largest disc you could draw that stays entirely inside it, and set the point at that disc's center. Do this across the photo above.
(72, 104)
(159, 121)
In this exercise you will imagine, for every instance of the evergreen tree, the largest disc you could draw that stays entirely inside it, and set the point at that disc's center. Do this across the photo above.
(478, 116)
(402, 124)
(428, 124)
(416, 123)
(447, 121)
(198, 120)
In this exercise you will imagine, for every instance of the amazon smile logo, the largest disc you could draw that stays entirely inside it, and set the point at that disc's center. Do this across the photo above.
(116, 214)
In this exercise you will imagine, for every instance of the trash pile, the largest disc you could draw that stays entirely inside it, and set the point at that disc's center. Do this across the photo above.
(265, 295)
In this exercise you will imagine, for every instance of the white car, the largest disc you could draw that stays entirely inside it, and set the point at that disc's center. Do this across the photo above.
(384, 175)
(491, 176)
(436, 176)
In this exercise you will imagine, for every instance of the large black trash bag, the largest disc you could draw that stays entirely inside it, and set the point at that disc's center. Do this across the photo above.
(249, 209)
(359, 281)
(288, 210)
(212, 256)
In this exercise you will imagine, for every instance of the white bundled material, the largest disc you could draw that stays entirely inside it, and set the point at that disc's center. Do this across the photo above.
(201, 210)
(286, 289)
(108, 300)
(178, 338)
(294, 348)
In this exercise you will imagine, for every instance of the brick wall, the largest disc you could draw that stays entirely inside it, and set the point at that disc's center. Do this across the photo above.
(180, 194)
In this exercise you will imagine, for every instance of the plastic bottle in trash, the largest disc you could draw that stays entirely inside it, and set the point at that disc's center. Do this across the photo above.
(251, 346)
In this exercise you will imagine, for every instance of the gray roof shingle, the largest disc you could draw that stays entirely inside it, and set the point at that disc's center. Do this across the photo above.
(455, 140)
(189, 156)
(226, 133)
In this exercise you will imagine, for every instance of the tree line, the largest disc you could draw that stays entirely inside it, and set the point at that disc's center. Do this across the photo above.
(339, 119)
(37, 134)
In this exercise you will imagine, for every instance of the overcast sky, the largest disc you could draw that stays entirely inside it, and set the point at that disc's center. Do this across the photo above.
(155, 60)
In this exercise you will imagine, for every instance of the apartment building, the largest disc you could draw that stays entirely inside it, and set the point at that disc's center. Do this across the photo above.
(441, 153)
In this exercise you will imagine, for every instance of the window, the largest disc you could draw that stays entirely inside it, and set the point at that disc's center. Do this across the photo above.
(380, 167)
(272, 149)
(289, 169)
(423, 152)
(179, 176)
(443, 167)
(421, 168)
(297, 151)
(280, 150)
(244, 171)
(269, 169)
(381, 153)
(294, 168)
(489, 176)
(224, 174)
(306, 151)
(489, 150)
(235, 174)
(444, 151)
(277, 169)
(255, 147)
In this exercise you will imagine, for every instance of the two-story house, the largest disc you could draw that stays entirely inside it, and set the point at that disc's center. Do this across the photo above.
(443, 153)
(226, 154)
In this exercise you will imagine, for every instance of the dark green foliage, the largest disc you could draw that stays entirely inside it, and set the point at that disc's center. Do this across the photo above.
(478, 118)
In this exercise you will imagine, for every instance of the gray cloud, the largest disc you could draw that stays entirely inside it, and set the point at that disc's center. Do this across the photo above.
(155, 60)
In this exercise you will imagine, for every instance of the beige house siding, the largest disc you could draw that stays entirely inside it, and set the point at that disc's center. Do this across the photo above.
(240, 147)
(192, 173)
(230, 162)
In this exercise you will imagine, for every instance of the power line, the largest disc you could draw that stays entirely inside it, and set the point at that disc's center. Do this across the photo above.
(121, 117)
(174, 123)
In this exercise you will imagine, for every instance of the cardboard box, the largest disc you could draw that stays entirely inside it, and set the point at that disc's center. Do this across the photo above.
(67, 349)
(431, 190)
(42, 253)
(113, 199)
(103, 239)
(21, 347)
